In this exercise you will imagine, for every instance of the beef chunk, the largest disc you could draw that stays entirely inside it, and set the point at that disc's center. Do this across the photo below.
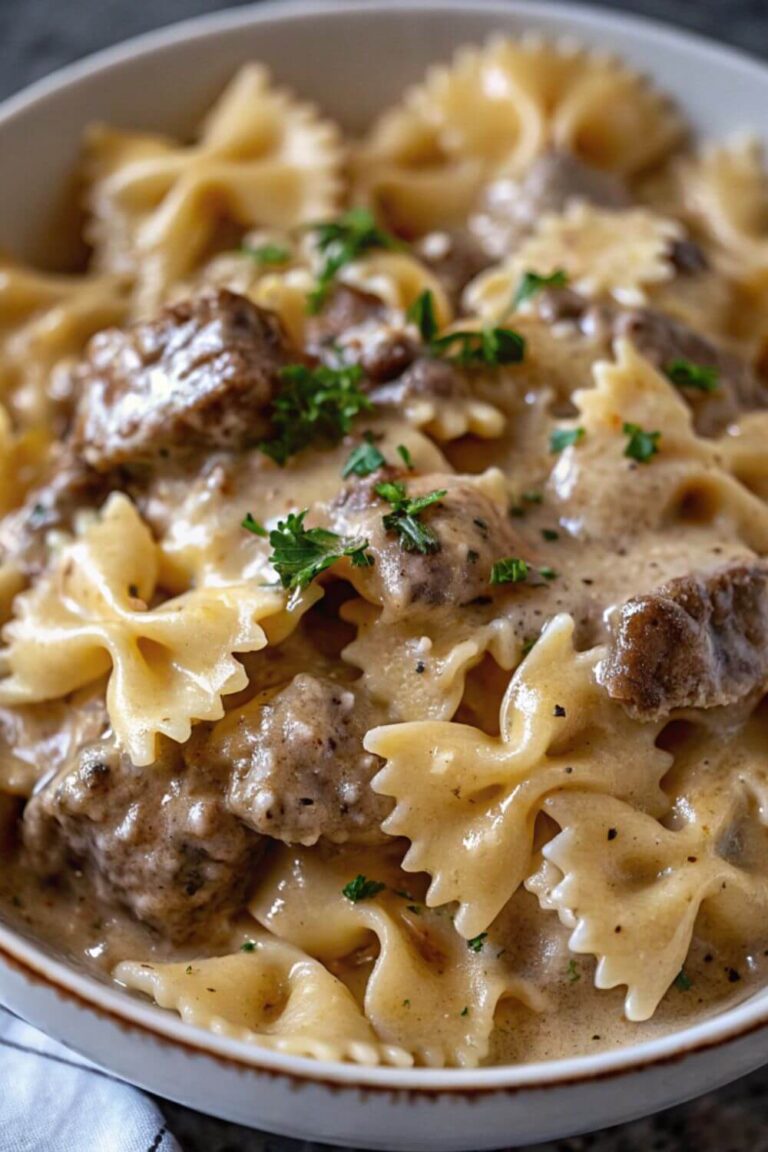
(455, 258)
(471, 529)
(697, 642)
(300, 769)
(428, 377)
(157, 840)
(513, 207)
(72, 486)
(661, 339)
(200, 375)
(354, 327)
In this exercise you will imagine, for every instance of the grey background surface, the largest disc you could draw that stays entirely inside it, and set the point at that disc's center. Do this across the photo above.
(37, 36)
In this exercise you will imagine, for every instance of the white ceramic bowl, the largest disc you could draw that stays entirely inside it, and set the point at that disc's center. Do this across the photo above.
(352, 58)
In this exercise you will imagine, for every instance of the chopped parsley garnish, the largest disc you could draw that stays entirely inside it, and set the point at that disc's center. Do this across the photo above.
(489, 347)
(530, 644)
(547, 572)
(248, 946)
(362, 889)
(533, 497)
(641, 445)
(406, 1003)
(364, 459)
(313, 404)
(422, 313)
(686, 374)
(404, 517)
(188, 969)
(683, 981)
(550, 534)
(464, 1011)
(300, 554)
(405, 456)
(252, 525)
(341, 241)
(532, 282)
(511, 570)
(476, 943)
(572, 971)
(267, 254)
(563, 438)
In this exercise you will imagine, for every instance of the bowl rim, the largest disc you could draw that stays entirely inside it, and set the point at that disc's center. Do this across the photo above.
(29, 959)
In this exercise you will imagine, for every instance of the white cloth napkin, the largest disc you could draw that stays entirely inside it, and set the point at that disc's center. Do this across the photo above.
(52, 1100)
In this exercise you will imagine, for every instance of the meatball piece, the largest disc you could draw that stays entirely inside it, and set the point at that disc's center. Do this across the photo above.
(468, 531)
(157, 840)
(200, 375)
(696, 642)
(300, 771)
(513, 207)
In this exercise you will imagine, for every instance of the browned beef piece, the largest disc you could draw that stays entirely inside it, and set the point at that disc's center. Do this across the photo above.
(300, 771)
(157, 840)
(428, 377)
(662, 340)
(200, 375)
(697, 642)
(72, 486)
(353, 327)
(471, 532)
(455, 258)
(511, 208)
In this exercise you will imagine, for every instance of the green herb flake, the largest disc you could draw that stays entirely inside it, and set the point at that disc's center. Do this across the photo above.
(404, 520)
(300, 554)
(683, 981)
(641, 445)
(572, 971)
(547, 572)
(422, 313)
(529, 645)
(405, 456)
(550, 534)
(313, 404)
(252, 525)
(248, 946)
(341, 241)
(489, 347)
(511, 570)
(563, 438)
(685, 374)
(267, 255)
(414, 908)
(533, 496)
(364, 459)
(477, 942)
(362, 889)
(531, 283)
(464, 1011)
(188, 970)
(406, 1003)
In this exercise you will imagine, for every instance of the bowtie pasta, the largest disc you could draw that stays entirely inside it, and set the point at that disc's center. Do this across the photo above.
(384, 570)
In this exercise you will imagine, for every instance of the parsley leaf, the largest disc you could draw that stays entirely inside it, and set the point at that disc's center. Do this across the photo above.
(341, 241)
(683, 981)
(403, 519)
(686, 374)
(364, 459)
(489, 347)
(476, 943)
(252, 525)
(248, 946)
(300, 554)
(532, 282)
(422, 313)
(573, 971)
(313, 403)
(563, 438)
(641, 445)
(547, 572)
(267, 254)
(362, 889)
(511, 570)
(405, 456)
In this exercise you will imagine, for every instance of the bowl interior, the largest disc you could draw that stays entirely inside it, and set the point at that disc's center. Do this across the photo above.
(353, 59)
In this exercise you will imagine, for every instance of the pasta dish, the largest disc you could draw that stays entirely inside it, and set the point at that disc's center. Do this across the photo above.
(383, 579)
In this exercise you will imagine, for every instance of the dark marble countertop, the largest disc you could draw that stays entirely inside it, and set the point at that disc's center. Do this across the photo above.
(37, 36)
